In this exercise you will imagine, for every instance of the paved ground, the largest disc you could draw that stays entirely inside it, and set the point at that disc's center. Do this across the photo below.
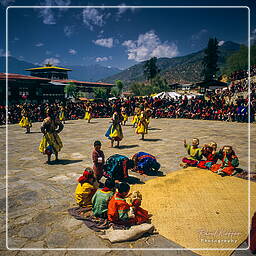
(39, 195)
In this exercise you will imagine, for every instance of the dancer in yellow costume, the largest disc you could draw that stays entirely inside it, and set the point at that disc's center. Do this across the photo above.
(25, 121)
(88, 112)
(135, 120)
(62, 114)
(114, 132)
(142, 127)
(124, 114)
(51, 142)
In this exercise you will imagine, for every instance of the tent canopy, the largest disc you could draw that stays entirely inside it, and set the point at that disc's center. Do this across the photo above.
(172, 95)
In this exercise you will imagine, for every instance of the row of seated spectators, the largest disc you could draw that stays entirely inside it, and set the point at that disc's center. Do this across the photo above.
(241, 74)
(212, 106)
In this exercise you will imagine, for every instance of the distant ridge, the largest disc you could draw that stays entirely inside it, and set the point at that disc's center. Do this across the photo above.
(184, 69)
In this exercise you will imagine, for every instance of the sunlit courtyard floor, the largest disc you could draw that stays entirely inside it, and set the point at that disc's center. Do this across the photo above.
(40, 194)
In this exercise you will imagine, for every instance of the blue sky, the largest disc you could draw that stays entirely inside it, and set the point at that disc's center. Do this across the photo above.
(118, 37)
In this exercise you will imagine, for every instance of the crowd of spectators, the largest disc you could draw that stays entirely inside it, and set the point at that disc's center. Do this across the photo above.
(218, 105)
(241, 74)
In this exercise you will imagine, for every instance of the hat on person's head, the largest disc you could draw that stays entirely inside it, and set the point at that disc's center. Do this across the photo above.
(87, 174)
(97, 143)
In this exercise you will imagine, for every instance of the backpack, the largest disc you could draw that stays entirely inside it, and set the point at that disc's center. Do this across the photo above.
(113, 167)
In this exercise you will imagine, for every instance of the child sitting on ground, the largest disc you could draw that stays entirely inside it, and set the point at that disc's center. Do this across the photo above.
(140, 215)
(85, 189)
(118, 208)
(209, 151)
(98, 159)
(229, 162)
(195, 154)
(101, 199)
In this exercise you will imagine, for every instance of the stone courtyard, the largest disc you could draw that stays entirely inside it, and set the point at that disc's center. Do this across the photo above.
(40, 194)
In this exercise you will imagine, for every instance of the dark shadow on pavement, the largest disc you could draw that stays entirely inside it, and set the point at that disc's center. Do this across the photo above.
(128, 146)
(155, 173)
(127, 125)
(35, 132)
(152, 139)
(154, 129)
(93, 122)
(65, 161)
(133, 180)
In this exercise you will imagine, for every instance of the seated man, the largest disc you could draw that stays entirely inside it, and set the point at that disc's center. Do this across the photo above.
(195, 154)
(101, 199)
(116, 167)
(229, 162)
(145, 163)
(118, 208)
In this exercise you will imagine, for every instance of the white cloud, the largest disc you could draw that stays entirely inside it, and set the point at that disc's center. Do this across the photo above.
(94, 17)
(53, 61)
(105, 42)
(48, 52)
(47, 14)
(68, 30)
(221, 43)
(6, 3)
(149, 45)
(99, 59)
(39, 44)
(72, 51)
(3, 53)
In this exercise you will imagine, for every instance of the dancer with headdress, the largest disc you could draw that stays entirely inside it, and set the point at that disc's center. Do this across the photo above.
(114, 132)
(25, 121)
(143, 123)
(62, 114)
(124, 114)
(88, 112)
(51, 142)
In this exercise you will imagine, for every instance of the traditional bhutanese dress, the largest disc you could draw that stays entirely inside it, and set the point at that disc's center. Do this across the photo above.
(145, 162)
(51, 141)
(100, 202)
(124, 114)
(135, 119)
(114, 131)
(195, 155)
(88, 113)
(25, 122)
(142, 127)
(118, 210)
(229, 163)
(62, 114)
(84, 193)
